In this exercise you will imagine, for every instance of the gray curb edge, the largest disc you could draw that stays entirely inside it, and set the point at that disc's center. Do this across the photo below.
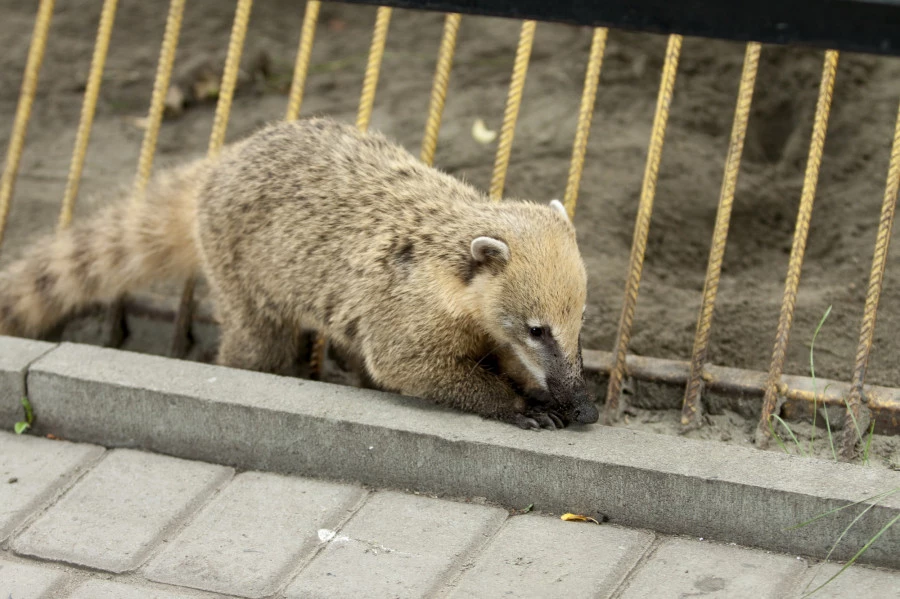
(256, 421)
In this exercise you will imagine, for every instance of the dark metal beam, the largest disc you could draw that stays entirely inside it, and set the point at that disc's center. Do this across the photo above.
(870, 26)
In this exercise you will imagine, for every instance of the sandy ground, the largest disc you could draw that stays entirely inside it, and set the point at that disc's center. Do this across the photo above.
(847, 204)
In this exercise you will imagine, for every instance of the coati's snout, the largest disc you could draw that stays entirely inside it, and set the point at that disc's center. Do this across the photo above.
(576, 406)
(566, 388)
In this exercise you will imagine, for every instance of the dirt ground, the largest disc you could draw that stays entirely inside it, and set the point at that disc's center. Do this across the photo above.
(847, 204)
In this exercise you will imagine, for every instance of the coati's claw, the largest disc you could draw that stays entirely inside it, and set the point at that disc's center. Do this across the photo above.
(524, 422)
(544, 420)
(556, 420)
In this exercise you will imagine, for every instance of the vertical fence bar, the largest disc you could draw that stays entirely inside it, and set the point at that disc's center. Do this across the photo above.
(642, 228)
(511, 114)
(301, 65)
(439, 87)
(88, 109)
(229, 76)
(373, 67)
(115, 319)
(158, 99)
(366, 103)
(795, 263)
(295, 100)
(856, 418)
(691, 411)
(181, 340)
(585, 114)
(23, 109)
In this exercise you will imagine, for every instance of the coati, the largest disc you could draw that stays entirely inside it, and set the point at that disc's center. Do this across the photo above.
(311, 224)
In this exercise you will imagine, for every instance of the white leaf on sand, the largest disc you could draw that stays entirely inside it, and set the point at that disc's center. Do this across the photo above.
(139, 122)
(481, 133)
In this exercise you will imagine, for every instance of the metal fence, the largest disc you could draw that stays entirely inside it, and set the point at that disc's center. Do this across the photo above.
(841, 25)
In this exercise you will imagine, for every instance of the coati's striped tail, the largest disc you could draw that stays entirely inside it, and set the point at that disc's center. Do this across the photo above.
(129, 244)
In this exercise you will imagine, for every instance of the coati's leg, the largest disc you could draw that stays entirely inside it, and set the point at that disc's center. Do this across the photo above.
(455, 382)
(253, 341)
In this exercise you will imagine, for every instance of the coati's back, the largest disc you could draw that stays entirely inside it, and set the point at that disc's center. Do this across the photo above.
(346, 213)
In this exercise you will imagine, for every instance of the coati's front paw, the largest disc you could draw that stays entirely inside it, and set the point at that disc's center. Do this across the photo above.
(534, 420)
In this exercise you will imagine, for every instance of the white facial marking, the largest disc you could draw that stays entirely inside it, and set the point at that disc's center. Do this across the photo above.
(536, 371)
(533, 323)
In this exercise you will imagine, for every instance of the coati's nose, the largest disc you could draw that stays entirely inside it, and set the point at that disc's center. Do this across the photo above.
(586, 413)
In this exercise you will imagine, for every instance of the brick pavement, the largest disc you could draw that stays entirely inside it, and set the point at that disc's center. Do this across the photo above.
(79, 521)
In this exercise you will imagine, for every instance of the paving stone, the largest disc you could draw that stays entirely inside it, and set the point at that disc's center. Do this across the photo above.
(852, 582)
(113, 516)
(25, 581)
(15, 356)
(106, 589)
(683, 568)
(33, 471)
(253, 534)
(396, 546)
(537, 556)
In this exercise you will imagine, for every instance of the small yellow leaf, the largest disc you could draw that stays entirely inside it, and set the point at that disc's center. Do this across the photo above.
(577, 518)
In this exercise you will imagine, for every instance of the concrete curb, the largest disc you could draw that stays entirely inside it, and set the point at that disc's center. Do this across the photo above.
(255, 421)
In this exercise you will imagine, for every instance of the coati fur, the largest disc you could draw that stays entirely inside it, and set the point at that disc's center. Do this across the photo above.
(442, 293)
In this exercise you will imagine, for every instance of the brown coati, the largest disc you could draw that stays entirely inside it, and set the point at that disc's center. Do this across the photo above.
(440, 292)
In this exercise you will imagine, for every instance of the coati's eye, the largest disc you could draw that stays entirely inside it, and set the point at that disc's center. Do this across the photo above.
(536, 332)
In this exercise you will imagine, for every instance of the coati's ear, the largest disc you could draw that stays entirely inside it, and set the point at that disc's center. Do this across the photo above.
(486, 249)
(558, 206)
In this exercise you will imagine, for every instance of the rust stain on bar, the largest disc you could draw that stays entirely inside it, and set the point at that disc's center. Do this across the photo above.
(511, 113)
(856, 418)
(642, 227)
(692, 408)
(798, 247)
(181, 337)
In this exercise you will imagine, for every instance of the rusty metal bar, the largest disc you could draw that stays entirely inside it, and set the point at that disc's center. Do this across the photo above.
(613, 406)
(366, 103)
(298, 83)
(23, 109)
(799, 391)
(181, 338)
(439, 87)
(88, 108)
(301, 65)
(795, 263)
(115, 320)
(373, 67)
(857, 417)
(511, 114)
(691, 411)
(585, 114)
(158, 99)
